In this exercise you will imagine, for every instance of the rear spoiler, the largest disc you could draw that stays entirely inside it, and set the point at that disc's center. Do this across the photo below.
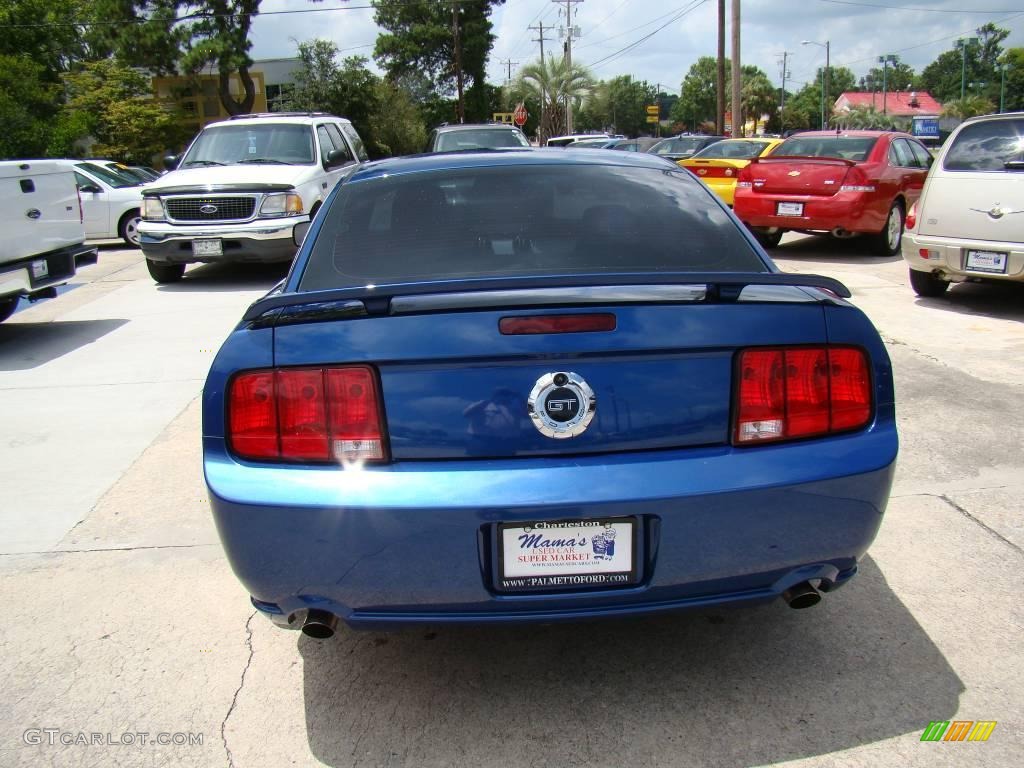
(804, 159)
(278, 307)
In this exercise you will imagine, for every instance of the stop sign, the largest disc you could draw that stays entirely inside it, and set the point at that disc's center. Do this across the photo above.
(520, 114)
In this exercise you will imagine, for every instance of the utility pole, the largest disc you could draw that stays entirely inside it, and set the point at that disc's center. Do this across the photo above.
(458, 61)
(720, 83)
(737, 117)
(542, 132)
(569, 31)
(782, 102)
(509, 63)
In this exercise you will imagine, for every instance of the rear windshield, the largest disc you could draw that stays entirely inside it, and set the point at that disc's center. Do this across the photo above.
(679, 146)
(987, 146)
(454, 141)
(732, 150)
(847, 147)
(523, 221)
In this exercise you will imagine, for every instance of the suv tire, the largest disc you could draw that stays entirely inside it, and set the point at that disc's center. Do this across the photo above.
(165, 273)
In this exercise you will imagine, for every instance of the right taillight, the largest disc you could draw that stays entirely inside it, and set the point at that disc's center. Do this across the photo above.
(307, 414)
(795, 392)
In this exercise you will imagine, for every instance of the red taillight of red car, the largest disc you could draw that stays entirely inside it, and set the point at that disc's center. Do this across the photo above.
(307, 414)
(744, 180)
(795, 392)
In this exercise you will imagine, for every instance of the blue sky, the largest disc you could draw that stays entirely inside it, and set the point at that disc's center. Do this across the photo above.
(859, 31)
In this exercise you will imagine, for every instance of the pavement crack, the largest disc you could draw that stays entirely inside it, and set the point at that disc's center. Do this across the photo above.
(104, 549)
(241, 684)
(974, 519)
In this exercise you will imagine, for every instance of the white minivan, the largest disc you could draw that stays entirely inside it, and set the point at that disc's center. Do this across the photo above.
(969, 222)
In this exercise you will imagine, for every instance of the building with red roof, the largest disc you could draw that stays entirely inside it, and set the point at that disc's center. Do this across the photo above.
(895, 103)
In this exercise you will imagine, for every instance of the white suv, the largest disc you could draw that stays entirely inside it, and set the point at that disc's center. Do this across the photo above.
(969, 222)
(241, 188)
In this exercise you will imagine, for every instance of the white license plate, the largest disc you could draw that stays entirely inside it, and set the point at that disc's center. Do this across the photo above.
(789, 209)
(986, 261)
(40, 269)
(568, 554)
(207, 248)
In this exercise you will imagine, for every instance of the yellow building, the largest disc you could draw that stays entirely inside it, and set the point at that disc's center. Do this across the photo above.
(198, 99)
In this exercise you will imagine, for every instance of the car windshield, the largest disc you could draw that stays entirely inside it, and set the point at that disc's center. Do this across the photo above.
(287, 143)
(732, 150)
(992, 145)
(114, 178)
(678, 146)
(855, 148)
(483, 138)
(523, 221)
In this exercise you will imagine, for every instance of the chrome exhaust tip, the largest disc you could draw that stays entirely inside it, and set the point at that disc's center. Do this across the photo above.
(319, 625)
(801, 595)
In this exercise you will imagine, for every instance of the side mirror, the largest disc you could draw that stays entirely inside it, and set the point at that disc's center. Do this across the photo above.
(91, 188)
(299, 233)
(337, 157)
(171, 162)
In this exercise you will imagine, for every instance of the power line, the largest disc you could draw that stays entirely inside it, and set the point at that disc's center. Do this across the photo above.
(647, 23)
(910, 8)
(693, 6)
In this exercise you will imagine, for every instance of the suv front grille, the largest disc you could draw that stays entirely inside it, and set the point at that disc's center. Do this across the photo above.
(210, 208)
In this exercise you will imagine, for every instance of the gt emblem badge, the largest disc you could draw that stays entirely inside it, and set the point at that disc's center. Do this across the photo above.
(561, 405)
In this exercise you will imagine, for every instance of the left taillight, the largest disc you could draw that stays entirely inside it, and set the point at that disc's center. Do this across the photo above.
(307, 414)
(797, 392)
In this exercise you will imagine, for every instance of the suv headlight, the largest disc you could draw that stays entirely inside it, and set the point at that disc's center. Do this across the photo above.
(152, 209)
(281, 204)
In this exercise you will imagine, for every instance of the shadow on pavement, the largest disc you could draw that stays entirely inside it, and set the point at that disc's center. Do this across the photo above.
(24, 346)
(1000, 300)
(831, 250)
(727, 688)
(228, 277)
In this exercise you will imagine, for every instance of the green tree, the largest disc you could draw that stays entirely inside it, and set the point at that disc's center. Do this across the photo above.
(757, 94)
(420, 37)
(969, 106)
(898, 77)
(972, 67)
(619, 104)
(113, 104)
(28, 105)
(698, 98)
(554, 81)
(167, 36)
(1013, 61)
(397, 126)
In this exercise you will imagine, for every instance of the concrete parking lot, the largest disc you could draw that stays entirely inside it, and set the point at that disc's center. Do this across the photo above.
(125, 627)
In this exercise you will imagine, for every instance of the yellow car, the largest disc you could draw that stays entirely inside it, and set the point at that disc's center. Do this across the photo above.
(719, 165)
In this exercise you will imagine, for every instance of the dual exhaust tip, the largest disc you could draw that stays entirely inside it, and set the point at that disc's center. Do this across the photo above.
(321, 625)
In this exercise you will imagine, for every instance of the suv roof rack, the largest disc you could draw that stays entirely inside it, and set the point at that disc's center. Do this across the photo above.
(280, 114)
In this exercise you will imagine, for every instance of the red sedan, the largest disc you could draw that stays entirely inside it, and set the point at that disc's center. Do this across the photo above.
(842, 183)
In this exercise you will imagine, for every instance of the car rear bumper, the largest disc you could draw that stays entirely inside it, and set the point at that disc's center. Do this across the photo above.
(19, 278)
(724, 188)
(259, 241)
(849, 211)
(948, 255)
(415, 542)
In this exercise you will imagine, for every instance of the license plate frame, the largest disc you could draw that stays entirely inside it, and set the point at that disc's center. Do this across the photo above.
(989, 262)
(621, 569)
(210, 246)
(785, 208)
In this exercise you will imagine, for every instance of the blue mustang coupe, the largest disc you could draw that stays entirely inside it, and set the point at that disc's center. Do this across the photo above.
(536, 386)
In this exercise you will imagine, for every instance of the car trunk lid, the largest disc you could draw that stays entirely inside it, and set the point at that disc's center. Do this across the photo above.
(969, 206)
(821, 176)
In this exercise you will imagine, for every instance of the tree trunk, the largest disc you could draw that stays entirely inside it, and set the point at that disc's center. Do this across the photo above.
(233, 106)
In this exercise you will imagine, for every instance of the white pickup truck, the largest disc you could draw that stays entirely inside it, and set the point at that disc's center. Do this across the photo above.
(43, 231)
(241, 188)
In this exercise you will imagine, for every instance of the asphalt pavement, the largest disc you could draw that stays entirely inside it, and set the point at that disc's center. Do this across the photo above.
(125, 626)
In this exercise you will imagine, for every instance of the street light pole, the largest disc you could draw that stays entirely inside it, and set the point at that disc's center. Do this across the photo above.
(824, 80)
(1002, 88)
(889, 58)
(962, 44)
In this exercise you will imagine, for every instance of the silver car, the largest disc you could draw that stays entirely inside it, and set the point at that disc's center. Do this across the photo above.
(969, 222)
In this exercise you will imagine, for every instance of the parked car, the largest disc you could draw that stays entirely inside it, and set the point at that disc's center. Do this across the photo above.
(641, 144)
(719, 165)
(142, 175)
(111, 200)
(44, 234)
(969, 222)
(533, 386)
(681, 147)
(602, 142)
(564, 141)
(844, 183)
(469, 137)
(242, 187)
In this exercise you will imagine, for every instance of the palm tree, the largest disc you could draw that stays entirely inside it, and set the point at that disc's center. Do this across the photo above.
(757, 95)
(969, 106)
(553, 83)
